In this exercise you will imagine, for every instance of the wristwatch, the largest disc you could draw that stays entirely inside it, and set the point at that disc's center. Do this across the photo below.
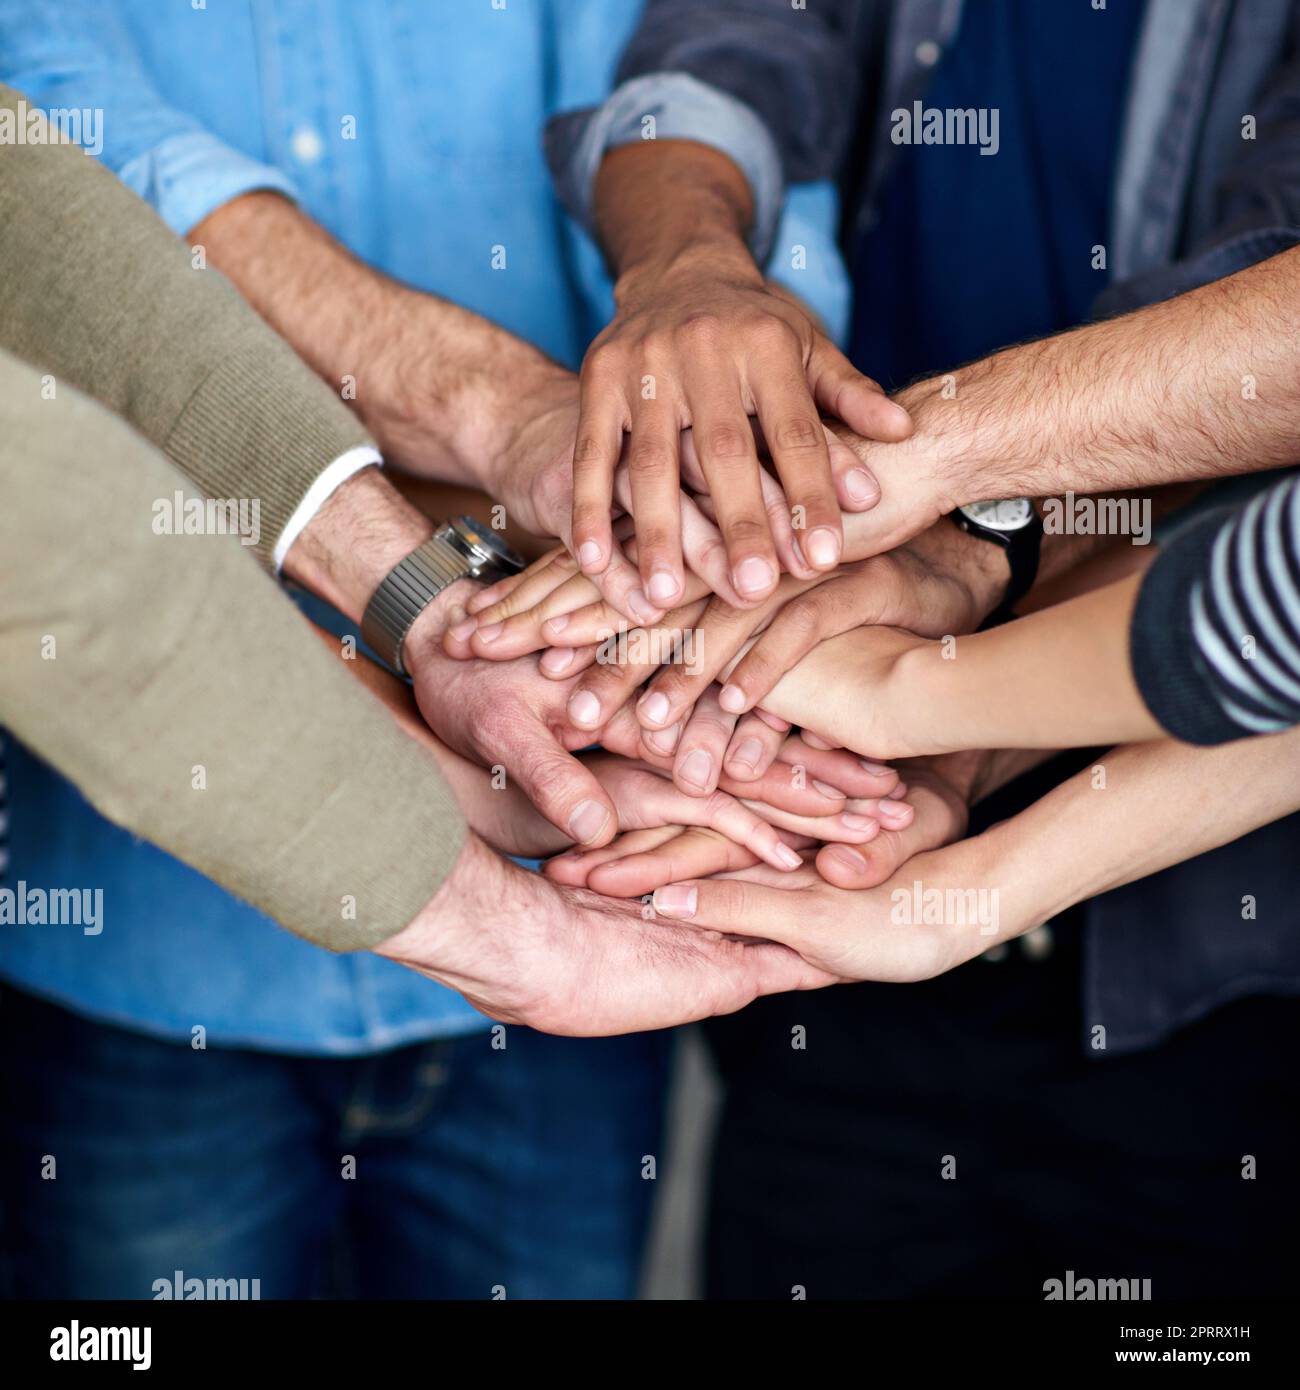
(1015, 525)
(459, 549)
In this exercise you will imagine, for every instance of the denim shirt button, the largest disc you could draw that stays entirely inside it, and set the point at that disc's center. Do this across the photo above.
(928, 53)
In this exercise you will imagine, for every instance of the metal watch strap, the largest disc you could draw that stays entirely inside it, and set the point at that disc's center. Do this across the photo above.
(407, 590)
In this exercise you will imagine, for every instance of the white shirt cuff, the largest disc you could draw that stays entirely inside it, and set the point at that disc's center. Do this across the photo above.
(332, 478)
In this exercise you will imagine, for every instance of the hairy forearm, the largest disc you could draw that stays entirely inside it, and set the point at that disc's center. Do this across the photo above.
(1201, 385)
(1159, 804)
(428, 378)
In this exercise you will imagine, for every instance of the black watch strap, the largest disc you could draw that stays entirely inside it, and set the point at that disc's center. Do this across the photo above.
(1023, 545)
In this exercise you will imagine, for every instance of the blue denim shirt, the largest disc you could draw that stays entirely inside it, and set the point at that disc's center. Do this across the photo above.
(447, 103)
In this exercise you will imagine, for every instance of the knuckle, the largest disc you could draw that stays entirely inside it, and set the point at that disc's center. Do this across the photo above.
(726, 441)
(604, 364)
(747, 531)
(799, 432)
(716, 805)
(589, 450)
(701, 330)
(651, 457)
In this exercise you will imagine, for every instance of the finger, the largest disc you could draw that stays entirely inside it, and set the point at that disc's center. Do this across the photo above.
(558, 570)
(532, 629)
(598, 444)
(735, 906)
(842, 391)
(658, 798)
(788, 788)
(558, 785)
(825, 610)
(575, 865)
(856, 485)
(598, 622)
(839, 769)
(697, 764)
(690, 853)
(753, 748)
(788, 550)
(606, 687)
(933, 824)
(729, 461)
(655, 498)
(720, 632)
(797, 439)
(562, 663)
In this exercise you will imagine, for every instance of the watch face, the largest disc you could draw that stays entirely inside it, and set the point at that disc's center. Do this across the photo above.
(488, 546)
(1010, 514)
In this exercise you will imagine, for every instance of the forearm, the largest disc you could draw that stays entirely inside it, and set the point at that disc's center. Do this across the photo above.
(177, 688)
(432, 381)
(662, 203)
(1059, 678)
(1160, 803)
(1201, 385)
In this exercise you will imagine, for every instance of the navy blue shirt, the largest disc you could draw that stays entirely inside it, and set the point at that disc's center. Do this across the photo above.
(974, 251)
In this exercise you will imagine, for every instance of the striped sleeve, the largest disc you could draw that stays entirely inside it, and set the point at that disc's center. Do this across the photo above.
(1215, 641)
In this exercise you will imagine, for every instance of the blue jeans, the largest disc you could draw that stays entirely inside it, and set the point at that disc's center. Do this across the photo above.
(443, 1170)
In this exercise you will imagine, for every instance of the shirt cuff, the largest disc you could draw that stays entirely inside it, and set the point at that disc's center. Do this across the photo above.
(186, 177)
(682, 108)
(330, 480)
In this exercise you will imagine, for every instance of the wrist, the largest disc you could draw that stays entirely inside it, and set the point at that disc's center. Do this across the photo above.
(716, 253)
(363, 529)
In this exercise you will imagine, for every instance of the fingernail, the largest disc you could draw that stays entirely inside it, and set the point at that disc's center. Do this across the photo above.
(663, 587)
(754, 576)
(584, 709)
(849, 857)
(901, 417)
(696, 768)
(557, 623)
(588, 821)
(557, 660)
(491, 632)
(827, 790)
(898, 793)
(875, 769)
(732, 699)
(861, 486)
(665, 740)
(823, 548)
(787, 858)
(749, 752)
(850, 820)
(642, 609)
(677, 900)
(464, 630)
(896, 812)
(655, 707)
(589, 555)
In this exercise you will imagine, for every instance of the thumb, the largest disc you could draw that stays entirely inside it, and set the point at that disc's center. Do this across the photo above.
(842, 391)
(561, 788)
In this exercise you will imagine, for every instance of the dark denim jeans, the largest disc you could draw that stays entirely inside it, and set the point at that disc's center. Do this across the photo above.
(476, 1171)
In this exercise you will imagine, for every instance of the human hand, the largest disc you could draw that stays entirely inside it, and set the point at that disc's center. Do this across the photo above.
(938, 791)
(523, 950)
(703, 341)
